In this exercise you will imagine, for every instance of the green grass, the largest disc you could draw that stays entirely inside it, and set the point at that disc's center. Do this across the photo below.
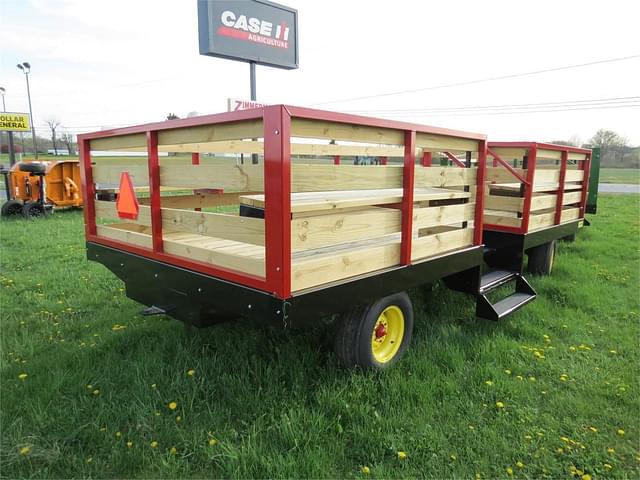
(277, 404)
(620, 175)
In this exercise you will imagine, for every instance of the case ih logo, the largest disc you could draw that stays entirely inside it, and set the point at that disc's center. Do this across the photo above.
(253, 30)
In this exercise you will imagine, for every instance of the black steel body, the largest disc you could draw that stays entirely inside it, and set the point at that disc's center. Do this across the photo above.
(506, 250)
(198, 299)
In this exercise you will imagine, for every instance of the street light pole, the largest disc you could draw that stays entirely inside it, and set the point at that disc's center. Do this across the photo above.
(12, 153)
(26, 69)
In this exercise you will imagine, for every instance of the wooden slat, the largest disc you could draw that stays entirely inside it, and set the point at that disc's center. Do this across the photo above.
(110, 174)
(508, 154)
(431, 245)
(212, 133)
(440, 143)
(203, 224)
(502, 175)
(444, 215)
(541, 201)
(571, 197)
(546, 176)
(232, 178)
(176, 244)
(576, 156)
(547, 219)
(317, 270)
(197, 200)
(322, 230)
(444, 176)
(315, 201)
(505, 219)
(123, 142)
(550, 154)
(574, 176)
(304, 128)
(505, 203)
(309, 178)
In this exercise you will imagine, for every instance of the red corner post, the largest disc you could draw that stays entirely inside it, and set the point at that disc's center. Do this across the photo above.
(564, 160)
(88, 188)
(407, 196)
(528, 188)
(586, 167)
(195, 160)
(478, 221)
(154, 191)
(277, 191)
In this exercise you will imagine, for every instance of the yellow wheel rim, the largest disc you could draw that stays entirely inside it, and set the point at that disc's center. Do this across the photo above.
(387, 334)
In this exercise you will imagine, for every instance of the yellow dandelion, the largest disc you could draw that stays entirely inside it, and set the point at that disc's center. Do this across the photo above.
(89, 387)
(614, 352)
(488, 382)
(129, 444)
(23, 376)
(593, 429)
(508, 372)
(402, 455)
(499, 404)
(519, 464)
(173, 406)
(532, 379)
(154, 444)
(565, 439)
(519, 377)
(453, 456)
(191, 372)
(509, 471)
(90, 459)
(559, 450)
(611, 450)
(212, 442)
(178, 418)
(586, 476)
(471, 427)
(118, 434)
(25, 450)
(620, 432)
(96, 392)
(173, 451)
(366, 470)
(478, 476)
(528, 437)
(572, 348)
(153, 385)
(607, 466)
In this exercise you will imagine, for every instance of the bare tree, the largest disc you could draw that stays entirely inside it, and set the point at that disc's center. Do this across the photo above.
(53, 125)
(611, 144)
(67, 139)
(172, 116)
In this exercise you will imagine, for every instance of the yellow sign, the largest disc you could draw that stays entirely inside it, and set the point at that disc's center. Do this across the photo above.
(14, 122)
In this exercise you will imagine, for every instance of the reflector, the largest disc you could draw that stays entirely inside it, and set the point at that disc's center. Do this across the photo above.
(127, 203)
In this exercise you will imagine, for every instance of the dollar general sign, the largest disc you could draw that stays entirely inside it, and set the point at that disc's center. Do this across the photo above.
(14, 122)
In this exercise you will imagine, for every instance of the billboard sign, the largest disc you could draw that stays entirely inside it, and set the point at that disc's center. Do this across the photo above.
(14, 122)
(250, 31)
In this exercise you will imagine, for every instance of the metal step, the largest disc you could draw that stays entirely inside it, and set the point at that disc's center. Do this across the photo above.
(492, 280)
(524, 294)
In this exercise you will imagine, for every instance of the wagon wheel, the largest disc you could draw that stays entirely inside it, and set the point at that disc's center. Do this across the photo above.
(542, 258)
(11, 208)
(376, 335)
(33, 210)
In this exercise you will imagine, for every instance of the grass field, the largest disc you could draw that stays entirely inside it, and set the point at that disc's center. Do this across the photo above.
(87, 383)
(620, 175)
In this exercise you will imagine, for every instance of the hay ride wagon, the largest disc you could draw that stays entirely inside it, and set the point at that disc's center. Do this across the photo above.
(298, 235)
(36, 188)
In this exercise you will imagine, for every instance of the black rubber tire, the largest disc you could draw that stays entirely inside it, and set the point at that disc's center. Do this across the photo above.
(542, 258)
(353, 335)
(33, 210)
(32, 167)
(11, 208)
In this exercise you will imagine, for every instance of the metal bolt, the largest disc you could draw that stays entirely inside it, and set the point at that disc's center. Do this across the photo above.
(249, 307)
(277, 269)
(199, 289)
(278, 312)
(277, 132)
(155, 275)
(122, 264)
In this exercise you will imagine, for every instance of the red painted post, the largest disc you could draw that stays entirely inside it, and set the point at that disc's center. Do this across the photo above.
(88, 187)
(478, 221)
(154, 190)
(528, 188)
(384, 160)
(195, 160)
(586, 167)
(564, 160)
(336, 160)
(407, 196)
(427, 158)
(277, 191)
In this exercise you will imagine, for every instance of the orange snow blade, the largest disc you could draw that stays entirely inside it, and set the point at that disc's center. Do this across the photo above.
(127, 203)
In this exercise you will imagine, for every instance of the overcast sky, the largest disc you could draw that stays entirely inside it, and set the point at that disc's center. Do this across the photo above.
(122, 62)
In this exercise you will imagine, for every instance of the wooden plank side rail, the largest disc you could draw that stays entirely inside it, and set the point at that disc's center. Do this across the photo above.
(431, 245)
(231, 227)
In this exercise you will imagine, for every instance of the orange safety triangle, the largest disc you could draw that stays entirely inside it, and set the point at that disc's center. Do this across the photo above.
(127, 203)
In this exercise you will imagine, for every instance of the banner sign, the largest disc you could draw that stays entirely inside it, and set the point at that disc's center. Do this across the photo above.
(250, 31)
(15, 122)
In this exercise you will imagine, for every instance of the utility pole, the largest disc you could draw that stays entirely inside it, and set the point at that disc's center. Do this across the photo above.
(12, 154)
(26, 69)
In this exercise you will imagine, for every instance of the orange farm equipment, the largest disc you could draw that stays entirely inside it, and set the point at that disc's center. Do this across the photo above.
(35, 188)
